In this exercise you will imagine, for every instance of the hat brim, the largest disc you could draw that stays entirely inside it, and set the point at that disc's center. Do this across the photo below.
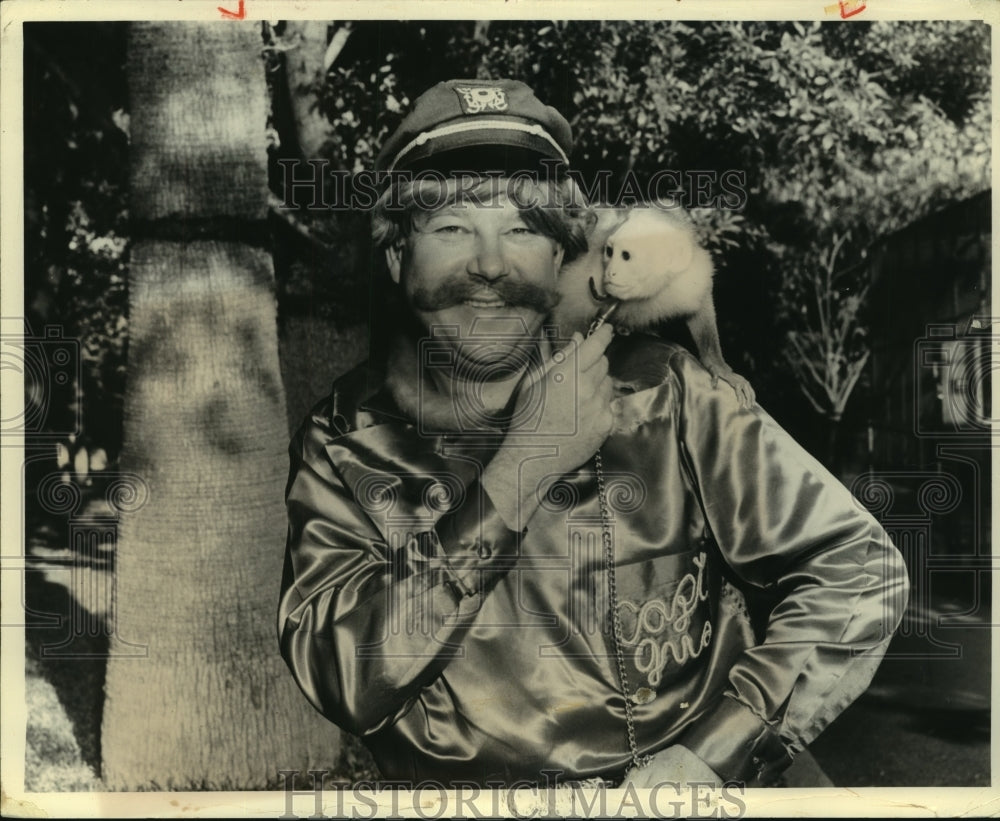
(487, 151)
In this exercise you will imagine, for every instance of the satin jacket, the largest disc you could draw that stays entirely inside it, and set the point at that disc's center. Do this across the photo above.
(460, 650)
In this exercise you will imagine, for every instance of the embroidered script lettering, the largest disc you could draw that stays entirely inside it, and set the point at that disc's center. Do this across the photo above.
(661, 630)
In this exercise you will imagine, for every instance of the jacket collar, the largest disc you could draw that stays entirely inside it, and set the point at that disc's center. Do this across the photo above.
(381, 403)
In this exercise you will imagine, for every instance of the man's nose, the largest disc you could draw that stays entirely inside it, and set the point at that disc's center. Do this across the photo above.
(488, 261)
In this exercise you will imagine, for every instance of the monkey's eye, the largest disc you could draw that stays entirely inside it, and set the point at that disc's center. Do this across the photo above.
(626, 256)
(608, 251)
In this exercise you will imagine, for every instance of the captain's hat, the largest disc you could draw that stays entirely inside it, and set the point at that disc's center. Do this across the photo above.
(478, 126)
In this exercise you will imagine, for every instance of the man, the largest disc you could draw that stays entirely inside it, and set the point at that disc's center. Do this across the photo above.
(518, 558)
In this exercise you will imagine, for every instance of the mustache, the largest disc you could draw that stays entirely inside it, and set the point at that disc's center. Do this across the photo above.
(515, 294)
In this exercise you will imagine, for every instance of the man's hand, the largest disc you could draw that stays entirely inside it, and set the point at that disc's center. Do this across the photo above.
(677, 765)
(575, 385)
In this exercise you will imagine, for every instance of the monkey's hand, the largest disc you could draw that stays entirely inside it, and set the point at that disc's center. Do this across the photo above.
(744, 390)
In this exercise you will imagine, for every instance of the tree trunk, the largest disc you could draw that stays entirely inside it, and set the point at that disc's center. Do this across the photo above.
(304, 68)
(212, 704)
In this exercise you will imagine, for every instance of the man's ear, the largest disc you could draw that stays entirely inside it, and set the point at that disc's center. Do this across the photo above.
(394, 260)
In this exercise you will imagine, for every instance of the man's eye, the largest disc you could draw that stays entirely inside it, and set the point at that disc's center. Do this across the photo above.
(522, 230)
(448, 229)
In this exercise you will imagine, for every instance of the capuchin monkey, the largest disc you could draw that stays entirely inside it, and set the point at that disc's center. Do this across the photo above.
(643, 266)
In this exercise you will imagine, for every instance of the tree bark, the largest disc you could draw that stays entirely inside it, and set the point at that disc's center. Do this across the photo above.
(212, 704)
(304, 66)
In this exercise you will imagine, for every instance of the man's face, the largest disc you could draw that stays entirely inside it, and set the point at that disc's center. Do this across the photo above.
(476, 266)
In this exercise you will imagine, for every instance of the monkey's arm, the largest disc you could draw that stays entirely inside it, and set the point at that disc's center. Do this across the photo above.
(705, 332)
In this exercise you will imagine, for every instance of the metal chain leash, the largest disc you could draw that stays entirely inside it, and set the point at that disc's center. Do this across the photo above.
(609, 564)
(616, 617)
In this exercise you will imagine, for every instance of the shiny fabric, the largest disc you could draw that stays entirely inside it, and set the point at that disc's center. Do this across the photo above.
(460, 650)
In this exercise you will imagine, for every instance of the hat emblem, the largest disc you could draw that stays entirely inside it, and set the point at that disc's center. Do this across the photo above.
(477, 99)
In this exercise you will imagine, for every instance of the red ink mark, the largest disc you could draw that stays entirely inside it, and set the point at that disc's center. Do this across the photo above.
(847, 9)
(241, 12)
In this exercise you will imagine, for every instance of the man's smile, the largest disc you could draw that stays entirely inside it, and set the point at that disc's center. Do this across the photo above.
(503, 293)
(485, 298)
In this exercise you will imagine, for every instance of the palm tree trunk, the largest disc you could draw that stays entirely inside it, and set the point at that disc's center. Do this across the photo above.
(211, 705)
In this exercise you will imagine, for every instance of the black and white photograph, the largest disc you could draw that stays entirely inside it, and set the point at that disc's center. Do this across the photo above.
(479, 414)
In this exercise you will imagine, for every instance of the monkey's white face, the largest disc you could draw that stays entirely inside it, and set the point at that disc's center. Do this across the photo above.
(646, 252)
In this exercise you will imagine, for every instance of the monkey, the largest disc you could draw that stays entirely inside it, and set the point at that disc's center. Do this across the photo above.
(645, 265)
(577, 304)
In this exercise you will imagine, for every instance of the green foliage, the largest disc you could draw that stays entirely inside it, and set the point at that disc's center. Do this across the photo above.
(865, 126)
(843, 131)
(76, 214)
(381, 70)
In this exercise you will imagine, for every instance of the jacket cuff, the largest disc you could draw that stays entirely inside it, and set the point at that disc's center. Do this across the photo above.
(737, 744)
(477, 543)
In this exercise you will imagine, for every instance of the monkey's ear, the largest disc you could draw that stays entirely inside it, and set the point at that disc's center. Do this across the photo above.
(681, 250)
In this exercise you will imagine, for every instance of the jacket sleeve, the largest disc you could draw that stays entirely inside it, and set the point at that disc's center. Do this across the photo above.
(785, 524)
(365, 623)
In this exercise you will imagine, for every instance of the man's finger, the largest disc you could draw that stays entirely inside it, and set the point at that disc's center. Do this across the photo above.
(592, 348)
(598, 371)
